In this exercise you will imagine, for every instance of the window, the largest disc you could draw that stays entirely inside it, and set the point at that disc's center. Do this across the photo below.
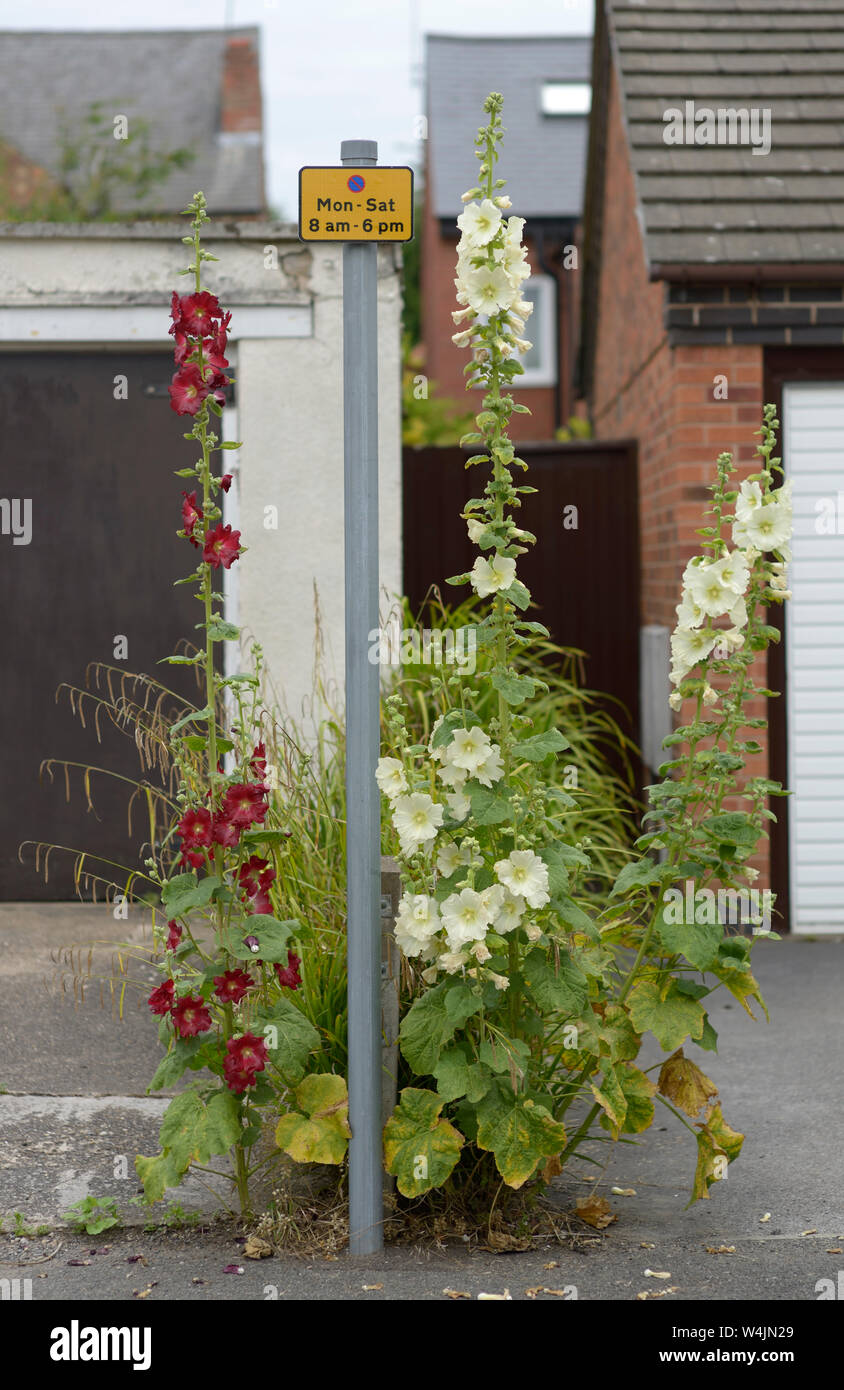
(566, 98)
(540, 363)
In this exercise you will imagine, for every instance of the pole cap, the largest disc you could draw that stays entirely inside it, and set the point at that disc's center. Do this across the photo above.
(359, 151)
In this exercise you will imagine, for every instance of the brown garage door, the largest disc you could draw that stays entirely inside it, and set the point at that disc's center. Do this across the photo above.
(101, 561)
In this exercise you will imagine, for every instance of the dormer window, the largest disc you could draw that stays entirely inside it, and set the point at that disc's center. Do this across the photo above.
(565, 98)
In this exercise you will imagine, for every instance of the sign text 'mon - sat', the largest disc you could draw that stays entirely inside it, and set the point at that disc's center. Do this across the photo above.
(345, 204)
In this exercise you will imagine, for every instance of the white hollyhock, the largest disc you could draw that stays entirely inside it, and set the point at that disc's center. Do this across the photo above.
(389, 774)
(767, 528)
(458, 804)
(417, 819)
(689, 613)
(480, 222)
(491, 769)
(481, 952)
(500, 981)
(417, 922)
(491, 900)
(489, 289)
(510, 912)
(465, 918)
(533, 932)
(475, 528)
(450, 857)
(452, 961)
(689, 645)
(469, 749)
(711, 585)
(490, 576)
(524, 873)
(749, 498)
(451, 775)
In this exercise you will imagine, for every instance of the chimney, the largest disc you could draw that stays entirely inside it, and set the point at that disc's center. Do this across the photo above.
(241, 106)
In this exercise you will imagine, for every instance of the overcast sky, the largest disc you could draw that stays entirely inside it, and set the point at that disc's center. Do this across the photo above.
(332, 69)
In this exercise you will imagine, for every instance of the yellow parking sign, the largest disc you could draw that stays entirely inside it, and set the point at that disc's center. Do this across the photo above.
(348, 204)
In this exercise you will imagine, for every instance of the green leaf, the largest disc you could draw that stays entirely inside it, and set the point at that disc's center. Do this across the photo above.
(518, 1132)
(735, 973)
(321, 1134)
(420, 1148)
(558, 874)
(198, 743)
(732, 827)
(183, 893)
(290, 1038)
(261, 835)
(638, 1091)
(488, 807)
(640, 874)
(220, 631)
(271, 934)
(192, 1130)
(157, 1174)
(515, 689)
(456, 1076)
(196, 716)
(697, 941)
(499, 1054)
(708, 1039)
(517, 594)
(610, 1034)
(182, 660)
(428, 1025)
(664, 1010)
(573, 916)
(560, 988)
(541, 746)
(178, 1059)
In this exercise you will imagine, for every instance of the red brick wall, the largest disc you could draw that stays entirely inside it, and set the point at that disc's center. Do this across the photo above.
(664, 397)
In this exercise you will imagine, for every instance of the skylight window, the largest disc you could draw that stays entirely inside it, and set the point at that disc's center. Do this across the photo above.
(566, 98)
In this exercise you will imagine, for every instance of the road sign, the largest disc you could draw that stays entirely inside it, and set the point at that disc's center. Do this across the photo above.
(370, 203)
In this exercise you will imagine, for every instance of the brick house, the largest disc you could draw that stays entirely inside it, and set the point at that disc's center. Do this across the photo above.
(713, 281)
(198, 89)
(544, 82)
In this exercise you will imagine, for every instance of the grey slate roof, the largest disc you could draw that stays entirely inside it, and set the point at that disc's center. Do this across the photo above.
(172, 79)
(723, 204)
(543, 156)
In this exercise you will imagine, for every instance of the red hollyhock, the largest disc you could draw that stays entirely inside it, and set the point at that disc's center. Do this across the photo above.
(255, 877)
(191, 1016)
(194, 858)
(245, 803)
(161, 999)
(222, 546)
(225, 832)
(187, 390)
(213, 370)
(247, 1056)
(191, 514)
(231, 986)
(174, 935)
(226, 482)
(288, 976)
(195, 827)
(258, 762)
(237, 1079)
(182, 348)
(197, 313)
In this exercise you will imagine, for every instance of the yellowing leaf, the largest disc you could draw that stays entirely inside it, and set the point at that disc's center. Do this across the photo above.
(420, 1148)
(322, 1134)
(669, 1014)
(518, 1132)
(717, 1146)
(683, 1082)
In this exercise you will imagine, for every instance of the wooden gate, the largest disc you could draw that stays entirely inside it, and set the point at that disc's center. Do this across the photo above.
(100, 563)
(584, 580)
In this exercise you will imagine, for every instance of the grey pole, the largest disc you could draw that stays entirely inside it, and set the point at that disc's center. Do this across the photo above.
(363, 810)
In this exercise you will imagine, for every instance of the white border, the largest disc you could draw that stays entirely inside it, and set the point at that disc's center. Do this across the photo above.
(121, 324)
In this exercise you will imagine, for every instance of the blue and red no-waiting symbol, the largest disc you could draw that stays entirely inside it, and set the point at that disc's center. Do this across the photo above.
(357, 183)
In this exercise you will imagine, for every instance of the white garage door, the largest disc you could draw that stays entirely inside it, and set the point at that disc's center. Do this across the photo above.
(813, 456)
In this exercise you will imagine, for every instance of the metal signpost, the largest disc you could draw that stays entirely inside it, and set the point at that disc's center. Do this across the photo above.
(361, 205)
